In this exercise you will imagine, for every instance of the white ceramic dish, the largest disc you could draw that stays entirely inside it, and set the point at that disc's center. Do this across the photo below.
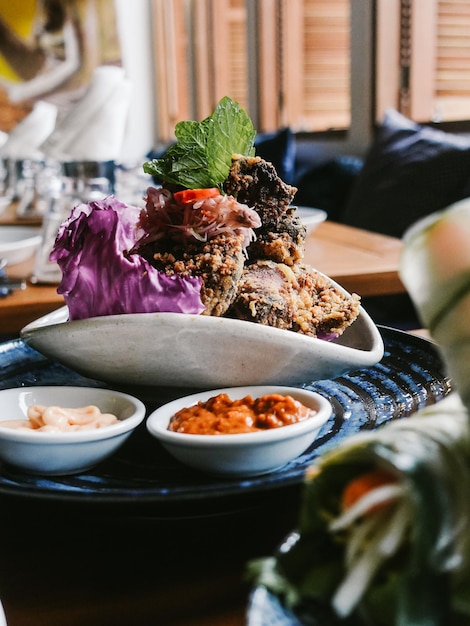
(245, 454)
(18, 243)
(56, 453)
(311, 217)
(180, 350)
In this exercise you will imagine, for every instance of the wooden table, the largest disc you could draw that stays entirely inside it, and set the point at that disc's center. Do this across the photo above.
(8, 217)
(363, 262)
(25, 305)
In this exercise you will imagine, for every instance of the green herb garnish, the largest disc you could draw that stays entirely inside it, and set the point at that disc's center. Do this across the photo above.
(202, 155)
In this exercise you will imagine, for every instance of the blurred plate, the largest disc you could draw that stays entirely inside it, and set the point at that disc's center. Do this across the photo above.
(311, 217)
(198, 351)
(18, 243)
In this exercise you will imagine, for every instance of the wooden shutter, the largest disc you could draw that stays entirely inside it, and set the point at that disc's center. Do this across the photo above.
(304, 51)
(423, 58)
(172, 70)
(286, 61)
(452, 80)
(228, 50)
(200, 50)
(327, 64)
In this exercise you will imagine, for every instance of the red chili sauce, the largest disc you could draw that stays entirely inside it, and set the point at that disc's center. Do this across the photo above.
(222, 416)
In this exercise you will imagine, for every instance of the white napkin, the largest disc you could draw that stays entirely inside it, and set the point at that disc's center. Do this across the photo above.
(24, 141)
(94, 129)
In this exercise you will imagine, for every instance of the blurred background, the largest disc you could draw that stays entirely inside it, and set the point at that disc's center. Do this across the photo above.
(327, 69)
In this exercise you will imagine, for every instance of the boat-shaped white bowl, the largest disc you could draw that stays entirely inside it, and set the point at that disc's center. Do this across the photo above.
(181, 350)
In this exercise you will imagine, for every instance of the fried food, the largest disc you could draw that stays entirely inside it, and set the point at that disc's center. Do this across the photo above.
(254, 181)
(218, 261)
(205, 239)
(282, 242)
(247, 248)
(296, 298)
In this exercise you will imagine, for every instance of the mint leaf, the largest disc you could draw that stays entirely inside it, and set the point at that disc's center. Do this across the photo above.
(230, 133)
(185, 162)
(202, 155)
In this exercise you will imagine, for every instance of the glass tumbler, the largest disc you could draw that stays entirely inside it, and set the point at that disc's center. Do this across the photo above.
(78, 182)
(10, 173)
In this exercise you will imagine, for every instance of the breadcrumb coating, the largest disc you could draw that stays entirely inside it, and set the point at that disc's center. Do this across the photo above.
(254, 181)
(282, 242)
(218, 261)
(296, 298)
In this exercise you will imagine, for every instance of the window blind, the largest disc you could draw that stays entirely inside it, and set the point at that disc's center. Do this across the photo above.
(452, 79)
(206, 49)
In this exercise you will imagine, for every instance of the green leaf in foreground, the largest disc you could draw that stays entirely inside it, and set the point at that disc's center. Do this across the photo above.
(203, 151)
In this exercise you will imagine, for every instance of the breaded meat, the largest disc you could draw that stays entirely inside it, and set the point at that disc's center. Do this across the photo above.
(206, 239)
(282, 242)
(254, 181)
(296, 298)
(218, 261)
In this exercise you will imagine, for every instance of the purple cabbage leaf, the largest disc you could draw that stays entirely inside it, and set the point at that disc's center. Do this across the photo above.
(100, 277)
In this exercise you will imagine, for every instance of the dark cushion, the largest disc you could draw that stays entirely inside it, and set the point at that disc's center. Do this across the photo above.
(410, 171)
(328, 186)
(279, 149)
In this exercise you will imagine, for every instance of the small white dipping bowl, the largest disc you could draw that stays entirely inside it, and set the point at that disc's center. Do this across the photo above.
(18, 243)
(68, 452)
(244, 454)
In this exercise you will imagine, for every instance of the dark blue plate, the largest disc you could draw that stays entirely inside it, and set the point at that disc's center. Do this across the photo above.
(410, 375)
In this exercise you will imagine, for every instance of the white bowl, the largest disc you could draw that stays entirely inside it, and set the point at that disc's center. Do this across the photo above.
(18, 243)
(198, 351)
(311, 217)
(68, 452)
(245, 454)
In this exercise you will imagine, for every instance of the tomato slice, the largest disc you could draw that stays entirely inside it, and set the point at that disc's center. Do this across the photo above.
(188, 196)
(362, 484)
